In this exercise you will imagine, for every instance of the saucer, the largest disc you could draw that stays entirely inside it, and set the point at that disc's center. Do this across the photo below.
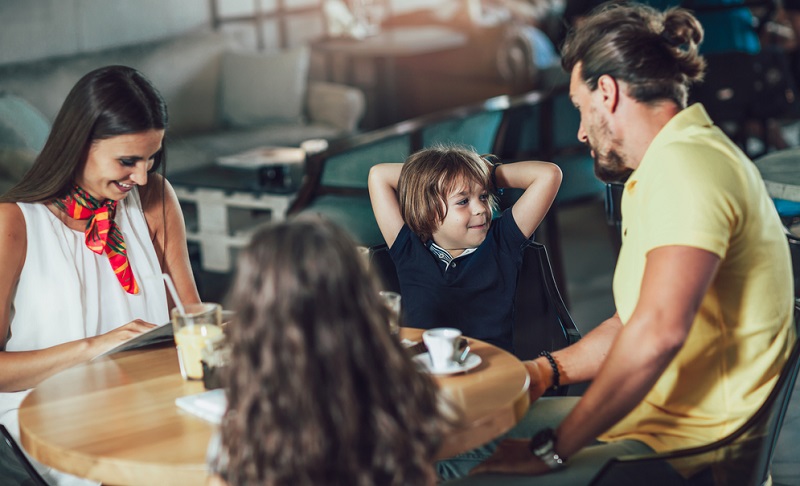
(407, 343)
(424, 362)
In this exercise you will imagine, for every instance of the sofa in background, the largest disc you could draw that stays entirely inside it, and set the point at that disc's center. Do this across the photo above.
(222, 99)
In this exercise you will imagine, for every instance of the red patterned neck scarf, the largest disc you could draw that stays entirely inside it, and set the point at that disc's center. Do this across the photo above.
(102, 233)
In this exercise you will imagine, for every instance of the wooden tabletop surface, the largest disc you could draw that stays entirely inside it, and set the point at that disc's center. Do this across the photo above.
(114, 419)
(492, 397)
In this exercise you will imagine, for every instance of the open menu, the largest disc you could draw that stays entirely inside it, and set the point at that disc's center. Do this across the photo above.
(209, 405)
(156, 335)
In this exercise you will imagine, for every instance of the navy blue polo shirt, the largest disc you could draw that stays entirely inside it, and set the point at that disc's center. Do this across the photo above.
(474, 293)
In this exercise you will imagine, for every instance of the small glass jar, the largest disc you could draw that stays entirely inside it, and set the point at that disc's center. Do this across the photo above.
(214, 358)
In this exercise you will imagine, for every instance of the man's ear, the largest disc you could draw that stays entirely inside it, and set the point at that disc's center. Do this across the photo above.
(609, 88)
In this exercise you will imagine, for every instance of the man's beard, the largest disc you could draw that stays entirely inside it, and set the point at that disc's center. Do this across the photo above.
(608, 167)
(612, 168)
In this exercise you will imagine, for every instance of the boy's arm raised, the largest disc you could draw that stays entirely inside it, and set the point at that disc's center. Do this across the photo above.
(383, 195)
(540, 181)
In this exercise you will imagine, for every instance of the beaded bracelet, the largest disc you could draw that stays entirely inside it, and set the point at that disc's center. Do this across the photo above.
(556, 374)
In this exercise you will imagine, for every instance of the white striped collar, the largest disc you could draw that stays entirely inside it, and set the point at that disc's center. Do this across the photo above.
(444, 256)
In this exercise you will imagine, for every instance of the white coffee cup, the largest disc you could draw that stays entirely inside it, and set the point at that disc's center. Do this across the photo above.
(442, 343)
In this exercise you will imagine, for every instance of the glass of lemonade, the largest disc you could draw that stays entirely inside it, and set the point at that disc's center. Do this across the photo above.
(193, 330)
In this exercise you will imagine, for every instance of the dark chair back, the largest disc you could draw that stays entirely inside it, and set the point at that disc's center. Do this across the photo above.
(742, 458)
(382, 266)
(613, 204)
(15, 469)
(541, 320)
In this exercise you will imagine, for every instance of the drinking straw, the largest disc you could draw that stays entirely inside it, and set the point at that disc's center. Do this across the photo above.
(173, 293)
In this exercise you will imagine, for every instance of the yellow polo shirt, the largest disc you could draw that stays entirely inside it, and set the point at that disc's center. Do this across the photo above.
(695, 188)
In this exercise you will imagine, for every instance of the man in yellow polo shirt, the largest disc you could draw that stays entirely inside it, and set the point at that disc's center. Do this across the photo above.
(703, 284)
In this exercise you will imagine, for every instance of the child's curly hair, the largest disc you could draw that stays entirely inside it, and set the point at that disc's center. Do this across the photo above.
(319, 392)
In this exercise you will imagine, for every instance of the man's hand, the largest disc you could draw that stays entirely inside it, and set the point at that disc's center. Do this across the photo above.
(541, 379)
(513, 456)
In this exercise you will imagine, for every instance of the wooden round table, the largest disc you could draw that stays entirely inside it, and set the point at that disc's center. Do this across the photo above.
(115, 420)
(492, 397)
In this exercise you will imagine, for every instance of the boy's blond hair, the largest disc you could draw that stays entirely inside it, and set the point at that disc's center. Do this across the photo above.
(429, 176)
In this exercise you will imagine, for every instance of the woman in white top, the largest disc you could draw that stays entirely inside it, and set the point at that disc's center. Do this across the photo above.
(86, 234)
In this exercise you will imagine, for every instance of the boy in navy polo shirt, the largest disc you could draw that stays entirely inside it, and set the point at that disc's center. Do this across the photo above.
(457, 267)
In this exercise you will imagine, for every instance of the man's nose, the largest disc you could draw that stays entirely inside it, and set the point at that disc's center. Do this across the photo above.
(581, 133)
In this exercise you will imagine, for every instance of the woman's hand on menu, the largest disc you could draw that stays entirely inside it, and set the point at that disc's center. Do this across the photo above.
(26, 369)
(105, 342)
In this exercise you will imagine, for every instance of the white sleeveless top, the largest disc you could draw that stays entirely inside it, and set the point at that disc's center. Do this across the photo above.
(67, 292)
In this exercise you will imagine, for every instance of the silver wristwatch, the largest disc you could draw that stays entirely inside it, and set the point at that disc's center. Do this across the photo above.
(543, 446)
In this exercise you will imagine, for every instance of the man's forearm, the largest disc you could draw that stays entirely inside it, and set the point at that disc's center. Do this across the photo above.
(581, 361)
(675, 280)
(634, 364)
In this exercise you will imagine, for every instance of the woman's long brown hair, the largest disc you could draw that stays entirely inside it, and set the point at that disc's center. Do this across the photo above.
(109, 101)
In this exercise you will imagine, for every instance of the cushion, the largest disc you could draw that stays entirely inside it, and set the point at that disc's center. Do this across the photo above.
(336, 105)
(21, 125)
(261, 88)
